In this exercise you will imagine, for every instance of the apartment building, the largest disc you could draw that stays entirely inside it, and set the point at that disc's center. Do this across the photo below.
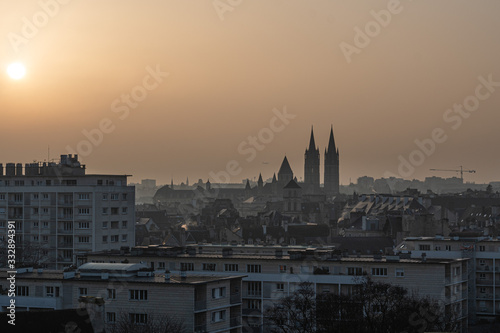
(60, 212)
(272, 272)
(484, 266)
(132, 293)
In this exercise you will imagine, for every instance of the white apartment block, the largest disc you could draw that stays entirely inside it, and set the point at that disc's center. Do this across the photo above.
(272, 272)
(61, 212)
(484, 267)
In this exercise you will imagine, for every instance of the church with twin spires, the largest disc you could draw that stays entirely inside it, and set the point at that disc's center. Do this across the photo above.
(311, 183)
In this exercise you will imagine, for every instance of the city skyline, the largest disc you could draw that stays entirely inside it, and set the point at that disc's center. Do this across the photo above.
(205, 79)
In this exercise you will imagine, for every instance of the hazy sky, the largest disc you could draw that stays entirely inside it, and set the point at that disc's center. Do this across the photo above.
(231, 63)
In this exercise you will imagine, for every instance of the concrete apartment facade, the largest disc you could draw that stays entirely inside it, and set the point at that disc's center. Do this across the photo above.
(272, 272)
(484, 266)
(61, 212)
(131, 293)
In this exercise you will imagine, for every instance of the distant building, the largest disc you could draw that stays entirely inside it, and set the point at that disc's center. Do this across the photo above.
(332, 169)
(59, 211)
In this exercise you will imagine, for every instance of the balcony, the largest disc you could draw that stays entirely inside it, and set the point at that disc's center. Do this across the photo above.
(235, 298)
(65, 231)
(65, 245)
(252, 293)
(200, 305)
(251, 312)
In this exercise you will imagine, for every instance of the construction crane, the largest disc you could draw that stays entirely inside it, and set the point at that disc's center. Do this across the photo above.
(461, 171)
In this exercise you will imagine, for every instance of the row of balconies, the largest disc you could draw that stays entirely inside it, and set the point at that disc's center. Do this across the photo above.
(234, 298)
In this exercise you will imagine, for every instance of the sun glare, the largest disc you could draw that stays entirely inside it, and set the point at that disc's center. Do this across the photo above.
(16, 70)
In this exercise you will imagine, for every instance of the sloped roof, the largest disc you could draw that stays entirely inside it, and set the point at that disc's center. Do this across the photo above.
(292, 184)
(285, 167)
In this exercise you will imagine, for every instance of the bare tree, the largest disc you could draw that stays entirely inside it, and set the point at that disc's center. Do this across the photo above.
(295, 313)
(372, 307)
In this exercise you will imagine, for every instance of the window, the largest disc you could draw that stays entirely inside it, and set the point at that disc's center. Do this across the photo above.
(49, 291)
(456, 271)
(82, 291)
(114, 196)
(35, 211)
(424, 247)
(22, 291)
(482, 276)
(138, 295)
(45, 238)
(114, 238)
(379, 271)
(104, 239)
(99, 182)
(280, 286)
(254, 304)
(83, 225)
(354, 271)
(114, 224)
(482, 290)
(218, 316)
(35, 238)
(124, 238)
(105, 224)
(282, 268)
(161, 265)
(83, 239)
(114, 211)
(35, 196)
(2, 197)
(104, 210)
(45, 196)
(111, 293)
(230, 267)
(111, 317)
(104, 196)
(482, 248)
(437, 248)
(448, 247)
(138, 318)
(84, 196)
(48, 182)
(400, 272)
(124, 196)
(219, 292)
(124, 210)
(84, 211)
(482, 262)
(18, 197)
(187, 266)
(45, 211)
(45, 225)
(124, 224)
(35, 224)
(254, 269)
(2, 210)
(209, 267)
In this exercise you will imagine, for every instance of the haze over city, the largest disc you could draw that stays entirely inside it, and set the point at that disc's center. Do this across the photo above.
(228, 69)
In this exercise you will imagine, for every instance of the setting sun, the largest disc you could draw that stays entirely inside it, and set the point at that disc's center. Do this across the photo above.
(16, 70)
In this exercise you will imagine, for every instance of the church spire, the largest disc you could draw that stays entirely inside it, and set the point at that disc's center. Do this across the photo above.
(260, 182)
(331, 142)
(312, 144)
